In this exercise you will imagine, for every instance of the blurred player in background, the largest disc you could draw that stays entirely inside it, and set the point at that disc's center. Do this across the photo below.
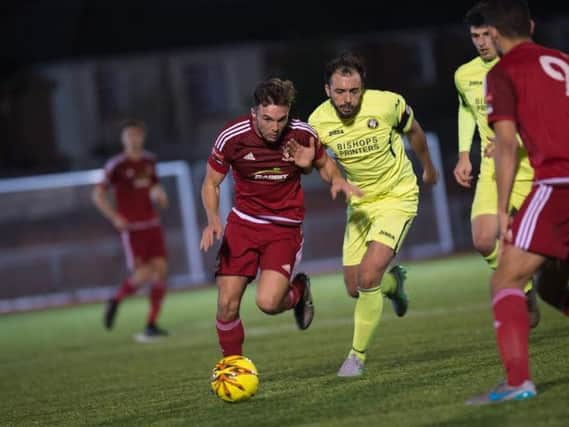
(364, 129)
(263, 232)
(526, 92)
(469, 82)
(132, 176)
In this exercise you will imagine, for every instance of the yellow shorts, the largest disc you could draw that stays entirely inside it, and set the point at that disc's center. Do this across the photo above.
(385, 220)
(486, 196)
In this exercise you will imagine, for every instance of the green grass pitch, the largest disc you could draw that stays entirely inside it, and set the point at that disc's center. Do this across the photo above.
(60, 367)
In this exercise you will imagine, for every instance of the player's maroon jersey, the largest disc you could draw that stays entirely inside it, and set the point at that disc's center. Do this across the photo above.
(530, 86)
(132, 181)
(267, 187)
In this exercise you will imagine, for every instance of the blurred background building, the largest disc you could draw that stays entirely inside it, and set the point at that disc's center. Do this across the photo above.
(73, 70)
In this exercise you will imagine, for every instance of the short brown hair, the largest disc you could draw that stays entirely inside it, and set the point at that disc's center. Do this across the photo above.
(511, 18)
(133, 123)
(345, 64)
(274, 92)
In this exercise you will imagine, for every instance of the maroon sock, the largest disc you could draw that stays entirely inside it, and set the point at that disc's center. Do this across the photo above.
(156, 296)
(231, 336)
(126, 289)
(295, 292)
(511, 322)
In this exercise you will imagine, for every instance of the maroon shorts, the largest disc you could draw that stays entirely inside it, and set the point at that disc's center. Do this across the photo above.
(542, 224)
(247, 247)
(140, 246)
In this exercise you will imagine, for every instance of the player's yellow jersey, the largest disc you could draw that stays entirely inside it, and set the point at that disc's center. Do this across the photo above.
(370, 146)
(469, 81)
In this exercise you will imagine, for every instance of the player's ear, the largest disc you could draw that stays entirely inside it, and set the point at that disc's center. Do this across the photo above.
(253, 112)
(327, 89)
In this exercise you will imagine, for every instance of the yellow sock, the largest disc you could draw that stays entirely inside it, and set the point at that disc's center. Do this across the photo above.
(492, 259)
(366, 318)
(388, 284)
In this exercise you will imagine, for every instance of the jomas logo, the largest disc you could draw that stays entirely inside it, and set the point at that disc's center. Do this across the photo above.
(557, 69)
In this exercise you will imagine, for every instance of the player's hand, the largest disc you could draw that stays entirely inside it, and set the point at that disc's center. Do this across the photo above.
(159, 196)
(343, 186)
(119, 222)
(505, 224)
(463, 171)
(490, 147)
(301, 155)
(430, 175)
(210, 234)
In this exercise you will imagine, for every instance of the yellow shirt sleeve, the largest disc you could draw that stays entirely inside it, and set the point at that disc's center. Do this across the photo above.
(466, 121)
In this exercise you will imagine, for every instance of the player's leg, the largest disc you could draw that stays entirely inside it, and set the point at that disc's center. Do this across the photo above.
(155, 254)
(230, 332)
(140, 274)
(237, 264)
(484, 223)
(539, 230)
(511, 322)
(156, 296)
(384, 239)
(276, 292)
(520, 191)
(552, 283)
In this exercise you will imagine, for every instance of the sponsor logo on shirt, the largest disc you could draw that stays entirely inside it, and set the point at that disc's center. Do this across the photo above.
(372, 123)
(273, 174)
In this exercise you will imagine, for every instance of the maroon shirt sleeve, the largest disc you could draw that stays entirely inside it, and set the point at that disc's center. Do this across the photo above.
(219, 160)
(153, 174)
(500, 96)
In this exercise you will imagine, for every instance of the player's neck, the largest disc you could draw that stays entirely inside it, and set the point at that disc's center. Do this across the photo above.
(509, 44)
(133, 154)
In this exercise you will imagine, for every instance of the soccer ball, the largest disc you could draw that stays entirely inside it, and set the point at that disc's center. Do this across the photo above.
(234, 379)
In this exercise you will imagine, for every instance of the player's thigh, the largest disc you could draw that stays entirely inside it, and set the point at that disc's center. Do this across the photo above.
(542, 224)
(485, 200)
(358, 224)
(351, 279)
(238, 253)
(374, 263)
(485, 232)
(520, 191)
(516, 267)
(281, 249)
(159, 267)
(271, 290)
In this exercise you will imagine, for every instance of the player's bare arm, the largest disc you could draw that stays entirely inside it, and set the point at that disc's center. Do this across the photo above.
(418, 142)
(100, 199)
(330, 173)
(159, 196)
(210, 200)
(506, 161)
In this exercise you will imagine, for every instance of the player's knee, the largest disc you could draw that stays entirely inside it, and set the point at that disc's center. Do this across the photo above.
(268, 304)
(227, 309)
(484, 243)
(370, 280)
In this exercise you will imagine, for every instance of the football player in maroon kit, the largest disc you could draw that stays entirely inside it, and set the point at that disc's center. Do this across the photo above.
(527, 91)
(264, 228)
(132, 175)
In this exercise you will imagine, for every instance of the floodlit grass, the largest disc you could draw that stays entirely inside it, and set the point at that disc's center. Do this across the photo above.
(60, 367)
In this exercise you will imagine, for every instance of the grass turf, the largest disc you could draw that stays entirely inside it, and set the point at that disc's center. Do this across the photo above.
(60, 367)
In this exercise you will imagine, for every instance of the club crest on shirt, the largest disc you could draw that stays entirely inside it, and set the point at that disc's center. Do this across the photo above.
(372, 123)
